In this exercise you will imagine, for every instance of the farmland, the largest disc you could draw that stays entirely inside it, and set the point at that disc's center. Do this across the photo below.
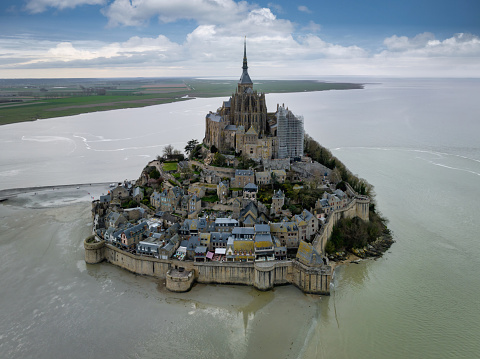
(31, 99)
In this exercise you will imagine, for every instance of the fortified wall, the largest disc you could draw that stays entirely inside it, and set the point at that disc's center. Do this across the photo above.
(359, 206)
(180, 275)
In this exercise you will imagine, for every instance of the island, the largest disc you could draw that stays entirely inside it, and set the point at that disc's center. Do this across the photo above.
(258, 202)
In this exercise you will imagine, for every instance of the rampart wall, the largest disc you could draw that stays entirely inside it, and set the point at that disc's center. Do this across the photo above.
(261, 275)
(358, 207)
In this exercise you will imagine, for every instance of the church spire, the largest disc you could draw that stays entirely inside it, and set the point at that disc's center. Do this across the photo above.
(245, 67)
(245, 78)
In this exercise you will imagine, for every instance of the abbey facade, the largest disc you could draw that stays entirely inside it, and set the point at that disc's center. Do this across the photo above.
(243, 125)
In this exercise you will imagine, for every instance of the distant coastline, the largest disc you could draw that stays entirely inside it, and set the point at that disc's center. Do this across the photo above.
(24, 100)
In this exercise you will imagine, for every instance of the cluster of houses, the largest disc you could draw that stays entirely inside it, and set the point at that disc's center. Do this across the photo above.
(176, 230)
(201, 239)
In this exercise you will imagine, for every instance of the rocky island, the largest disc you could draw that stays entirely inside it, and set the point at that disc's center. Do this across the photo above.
(258, 202)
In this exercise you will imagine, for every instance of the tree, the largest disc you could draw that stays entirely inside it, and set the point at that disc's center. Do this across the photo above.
(219, 160)
(178, 155)
(213, 149)
(168, 151)
(191, 146)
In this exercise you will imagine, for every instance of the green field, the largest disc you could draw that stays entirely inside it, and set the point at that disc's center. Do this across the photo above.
(170, 166)
(31, 99)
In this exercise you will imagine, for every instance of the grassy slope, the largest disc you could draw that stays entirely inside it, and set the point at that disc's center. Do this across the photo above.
(32, 103)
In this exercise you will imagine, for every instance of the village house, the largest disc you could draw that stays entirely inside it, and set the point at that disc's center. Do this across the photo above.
(278, 200)
(138, 194)
(223, 191)
(286, 232)
(225, 224)
(242, 178)
(129, 237)
(250, 191)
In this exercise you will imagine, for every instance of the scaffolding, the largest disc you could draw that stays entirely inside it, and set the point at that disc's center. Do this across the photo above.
(290, 134)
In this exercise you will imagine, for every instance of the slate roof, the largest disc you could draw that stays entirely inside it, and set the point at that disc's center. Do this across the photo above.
(262, 228)
(250, 187)
(231, 128)
(243, 173)
(214, 117)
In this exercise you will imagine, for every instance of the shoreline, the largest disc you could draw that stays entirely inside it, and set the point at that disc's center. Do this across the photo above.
(9, 193)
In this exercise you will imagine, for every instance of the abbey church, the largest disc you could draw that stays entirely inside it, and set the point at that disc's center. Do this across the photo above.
(243, 125)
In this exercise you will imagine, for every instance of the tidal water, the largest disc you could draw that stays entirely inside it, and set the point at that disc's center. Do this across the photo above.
(417, 141)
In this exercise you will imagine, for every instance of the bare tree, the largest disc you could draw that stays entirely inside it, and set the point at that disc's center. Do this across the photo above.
(168, 151)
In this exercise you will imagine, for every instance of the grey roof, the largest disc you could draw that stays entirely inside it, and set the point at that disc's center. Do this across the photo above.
(243, 230)
(243, 173)
(250, 187)
(200, 250)
(279, 194)
(135, 229)
(105, 199)
(245, 78)
(214, 117)
(231, 128)
(219, 237)
(263, 237)
(227, 103)
(259, 228)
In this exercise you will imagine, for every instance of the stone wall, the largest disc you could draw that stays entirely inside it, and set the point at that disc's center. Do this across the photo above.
(358, 207)
(261, 275)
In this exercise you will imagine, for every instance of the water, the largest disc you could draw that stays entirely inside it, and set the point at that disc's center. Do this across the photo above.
(415, 140)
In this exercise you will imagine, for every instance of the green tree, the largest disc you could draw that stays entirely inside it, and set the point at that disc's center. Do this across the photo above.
(191, 145)
(219, 160)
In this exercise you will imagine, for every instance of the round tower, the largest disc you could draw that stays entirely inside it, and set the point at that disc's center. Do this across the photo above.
(94, 250)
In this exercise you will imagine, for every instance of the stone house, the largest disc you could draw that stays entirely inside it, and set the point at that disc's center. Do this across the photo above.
(120, 192)
(223, 191)
(138, 194)
(129, 237)
(309, 221)
(114, 219)
(250, 191)
(225, 224)
(242, 178)
(286, 232)
(278, 200)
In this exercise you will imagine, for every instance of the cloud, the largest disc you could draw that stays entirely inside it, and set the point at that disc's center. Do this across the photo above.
(138, 12)
(277, 7)
(305, 9)
(275, 46)
(425, 45)
(38, 6)
(312, 27)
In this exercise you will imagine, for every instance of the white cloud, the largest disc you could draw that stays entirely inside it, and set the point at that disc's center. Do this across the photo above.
(305, 9)
(277, 7)
(215, 46)
(311, 27)
(138, 12)
(37, 6)
(425, 45)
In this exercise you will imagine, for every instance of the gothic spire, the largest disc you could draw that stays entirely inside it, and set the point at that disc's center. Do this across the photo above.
(245, 67)
(245, 78)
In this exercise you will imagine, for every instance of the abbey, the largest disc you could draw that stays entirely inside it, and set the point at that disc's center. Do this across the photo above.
(243, 125)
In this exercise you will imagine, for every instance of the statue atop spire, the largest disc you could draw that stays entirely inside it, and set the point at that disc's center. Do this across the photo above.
(245, 78)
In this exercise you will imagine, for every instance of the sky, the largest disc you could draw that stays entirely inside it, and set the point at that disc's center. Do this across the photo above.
(204, 38)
